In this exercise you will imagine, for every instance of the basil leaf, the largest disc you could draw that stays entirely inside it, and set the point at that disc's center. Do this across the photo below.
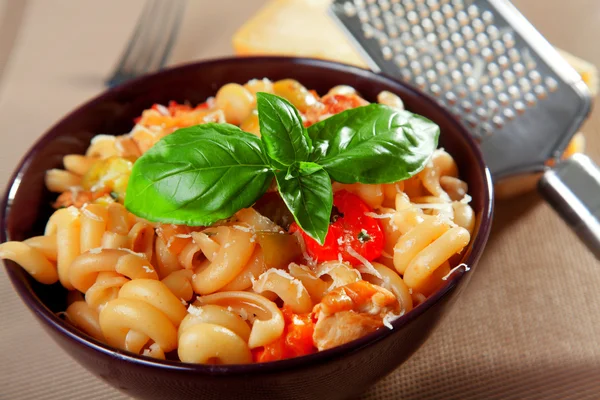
(198, 175)
(284, 137)
(373, 144)
(309, 196)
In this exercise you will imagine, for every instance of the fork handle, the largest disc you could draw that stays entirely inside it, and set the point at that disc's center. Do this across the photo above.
(572, 188)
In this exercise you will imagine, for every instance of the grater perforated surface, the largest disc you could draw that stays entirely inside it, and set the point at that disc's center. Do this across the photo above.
(484, 62)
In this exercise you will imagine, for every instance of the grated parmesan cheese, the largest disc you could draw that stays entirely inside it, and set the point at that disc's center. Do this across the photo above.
(170, 241)
(241, 312)
(258, 285)
(386, 255)
(456, 268)
(407, 245)
(73, 211)
(466, 199)
(368, 267)
(119, 146)
(132, 252)
(91, 215)
(162, 109)
(195, 311)
(148, 269)
(379, 216)
(391, 317)
(242, 228)
(96, 250)
(101, 137)
(309, 260)
(153, 348)
(75, 191)
(183, 301)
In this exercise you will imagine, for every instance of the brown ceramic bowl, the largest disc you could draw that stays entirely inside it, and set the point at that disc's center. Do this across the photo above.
(339, 373)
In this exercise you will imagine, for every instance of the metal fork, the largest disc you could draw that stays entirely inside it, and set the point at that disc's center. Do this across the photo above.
(151, 42)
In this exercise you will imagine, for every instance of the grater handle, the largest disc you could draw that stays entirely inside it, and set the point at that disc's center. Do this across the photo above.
(572, 188)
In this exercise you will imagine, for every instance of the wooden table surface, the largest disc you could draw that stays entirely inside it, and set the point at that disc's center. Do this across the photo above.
(528, 324)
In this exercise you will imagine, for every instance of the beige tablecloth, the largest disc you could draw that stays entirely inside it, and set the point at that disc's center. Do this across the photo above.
(527, 326)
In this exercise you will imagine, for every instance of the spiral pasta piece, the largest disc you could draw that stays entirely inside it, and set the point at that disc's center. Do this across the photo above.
(464, 216)
(415, 240)
(158, 295)
(391, 281)
(429, 285)
(256, 221)
(68, 236)
(30, 259)
(122, 315)
(85, 318)
(119, 219)
(407, 215)
(269, 322)
(435, 254)
(166, 262)
(316, 287)
(180, 284)
(191, 257)
(234, 252)
(456, 188)
(85, 268)
(45, 244)
(78, 164)
(211, 314)
(102, 146)
(94, 219)
(141, 237)
(253, 269)
(340, 273)
(58, 180)
(105, 288)
(212, 344)
(289, 289)
(441, 164)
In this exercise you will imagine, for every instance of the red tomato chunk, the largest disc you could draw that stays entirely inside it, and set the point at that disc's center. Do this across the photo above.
(352, 228)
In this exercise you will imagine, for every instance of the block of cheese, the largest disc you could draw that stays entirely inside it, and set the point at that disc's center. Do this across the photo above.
(299, 28)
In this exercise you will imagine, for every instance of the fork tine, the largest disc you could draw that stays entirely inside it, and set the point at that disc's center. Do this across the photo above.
(142, 36)
(172, 36)
(162, 43)
(120, 73)
(153, 39)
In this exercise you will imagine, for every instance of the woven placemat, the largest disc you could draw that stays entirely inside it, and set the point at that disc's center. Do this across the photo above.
(527, 326)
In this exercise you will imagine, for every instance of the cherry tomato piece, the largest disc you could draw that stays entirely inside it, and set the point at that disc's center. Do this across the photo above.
(352, 228)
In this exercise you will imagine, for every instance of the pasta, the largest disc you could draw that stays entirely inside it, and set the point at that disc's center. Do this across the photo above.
(246, 289)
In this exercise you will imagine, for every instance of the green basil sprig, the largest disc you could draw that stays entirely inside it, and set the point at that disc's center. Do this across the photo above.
(199, 175)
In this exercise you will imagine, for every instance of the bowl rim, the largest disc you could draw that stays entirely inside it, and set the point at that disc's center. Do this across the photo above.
(23, 287)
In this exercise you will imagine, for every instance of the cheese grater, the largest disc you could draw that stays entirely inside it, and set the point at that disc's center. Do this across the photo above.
(483, 61)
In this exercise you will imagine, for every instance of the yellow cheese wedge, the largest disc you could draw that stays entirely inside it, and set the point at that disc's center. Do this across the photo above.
(295, 28)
